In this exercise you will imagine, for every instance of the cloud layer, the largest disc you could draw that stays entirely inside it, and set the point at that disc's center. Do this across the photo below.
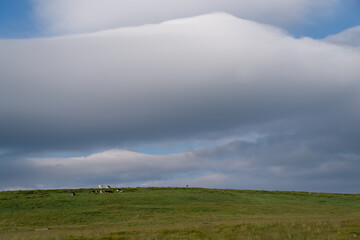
(204, 77)
(290, 161)
(74, 16)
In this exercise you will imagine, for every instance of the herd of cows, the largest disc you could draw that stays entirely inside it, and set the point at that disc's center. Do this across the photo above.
(103, 191)
(109, 190)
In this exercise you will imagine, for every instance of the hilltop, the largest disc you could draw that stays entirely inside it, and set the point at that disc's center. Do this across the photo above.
(178, 213)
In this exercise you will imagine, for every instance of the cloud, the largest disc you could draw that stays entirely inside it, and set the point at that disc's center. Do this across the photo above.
(292, 162)
(349, 37)
(207, 78)
(120, 161)
(178, 79)
(74, 16)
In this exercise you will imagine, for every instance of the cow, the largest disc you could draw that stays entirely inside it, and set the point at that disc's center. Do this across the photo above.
(73, 194)
(108, 186)
(101, 186)
(119, 190)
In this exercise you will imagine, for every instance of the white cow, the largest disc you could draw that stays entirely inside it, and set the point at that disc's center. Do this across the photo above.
(108, 186)
(101, 186)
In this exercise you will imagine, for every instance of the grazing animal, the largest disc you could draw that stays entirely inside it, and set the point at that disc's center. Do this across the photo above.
(101, 186)
(42, 229)
(108, 186)
(119, 190)
(108, 191)
(187, 185)
(96, 191)
(73, 194)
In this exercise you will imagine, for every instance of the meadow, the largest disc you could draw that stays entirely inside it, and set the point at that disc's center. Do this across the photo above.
(178, 213)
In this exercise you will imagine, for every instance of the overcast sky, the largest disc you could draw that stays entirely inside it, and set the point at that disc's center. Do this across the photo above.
(206, 93)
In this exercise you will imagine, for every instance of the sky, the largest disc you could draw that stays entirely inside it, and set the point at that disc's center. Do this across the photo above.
(206, 93)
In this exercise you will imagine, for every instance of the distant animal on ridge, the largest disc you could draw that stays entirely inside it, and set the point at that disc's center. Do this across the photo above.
(108, 186)
(101, 186)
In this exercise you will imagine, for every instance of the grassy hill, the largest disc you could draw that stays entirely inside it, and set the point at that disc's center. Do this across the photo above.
(178, 213)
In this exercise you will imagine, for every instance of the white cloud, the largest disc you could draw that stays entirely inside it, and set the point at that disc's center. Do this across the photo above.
(180, 78)
(349, 37)
(120, 161)
(73, 16)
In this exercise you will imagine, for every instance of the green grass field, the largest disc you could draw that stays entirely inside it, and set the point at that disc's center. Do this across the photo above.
(178, 213)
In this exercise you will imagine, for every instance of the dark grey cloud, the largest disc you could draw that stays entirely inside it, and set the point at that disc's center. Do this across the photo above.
(273, 162)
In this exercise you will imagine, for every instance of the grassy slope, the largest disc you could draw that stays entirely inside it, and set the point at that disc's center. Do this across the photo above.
(178, 213)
